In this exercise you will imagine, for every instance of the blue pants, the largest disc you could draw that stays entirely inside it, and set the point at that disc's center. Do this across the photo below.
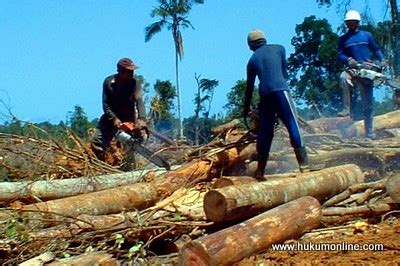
(277, 103)
(367, 97)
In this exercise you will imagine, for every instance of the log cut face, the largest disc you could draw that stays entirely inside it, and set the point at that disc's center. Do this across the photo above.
(393, 187)
(237, 202)
(232, 244)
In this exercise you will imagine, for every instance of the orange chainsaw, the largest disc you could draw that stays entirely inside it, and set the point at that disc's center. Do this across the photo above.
(131, 136)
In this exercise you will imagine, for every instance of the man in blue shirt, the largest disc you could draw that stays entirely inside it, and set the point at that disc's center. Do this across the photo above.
(355, 47)
(268, 63)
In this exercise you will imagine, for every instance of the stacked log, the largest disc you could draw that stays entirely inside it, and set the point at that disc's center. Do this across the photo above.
(237, 202)
(116, 200)
(385, 121)
(62, 188)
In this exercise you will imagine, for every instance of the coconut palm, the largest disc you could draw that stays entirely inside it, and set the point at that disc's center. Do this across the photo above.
(173, 15)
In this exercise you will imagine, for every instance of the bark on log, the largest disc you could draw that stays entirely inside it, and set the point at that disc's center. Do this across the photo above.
(232, 244)
(367, 158)
(393, 187)
(96, 258)
(234, 202)
(137, 196)
(233, 181)
(200, 170)
(222, 129)
(368, 209)
(241, 180)
(39, 260)
(336, 125)
(351, 190)
(62, 188)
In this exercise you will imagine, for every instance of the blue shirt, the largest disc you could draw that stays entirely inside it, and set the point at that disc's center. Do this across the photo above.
(268, 63)
(358, 44)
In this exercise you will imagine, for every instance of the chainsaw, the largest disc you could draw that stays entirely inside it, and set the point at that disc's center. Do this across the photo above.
(132, 137)
(373, 72)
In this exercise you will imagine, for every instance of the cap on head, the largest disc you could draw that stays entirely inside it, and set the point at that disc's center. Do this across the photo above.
(255, 35)
(126, 63)
(352, 15)
(255, 39)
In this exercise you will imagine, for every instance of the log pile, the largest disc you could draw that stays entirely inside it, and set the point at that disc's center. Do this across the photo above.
(207, 211)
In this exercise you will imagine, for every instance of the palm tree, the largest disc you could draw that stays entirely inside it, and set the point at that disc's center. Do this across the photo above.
(173, 15)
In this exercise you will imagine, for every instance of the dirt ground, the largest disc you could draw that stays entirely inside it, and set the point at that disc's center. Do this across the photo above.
(386, 233)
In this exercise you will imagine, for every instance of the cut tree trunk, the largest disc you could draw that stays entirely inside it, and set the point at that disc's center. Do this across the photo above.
(393, 187)
(233, 181)
(137, 196)
(222, 129)
(379, 159)
(368, 209)
(335, 125)
(99, 258)
(236, 202)
(201, 170)
(351, 190)
(241, 180)
(232, 244)
(385, 121)
(62, 188)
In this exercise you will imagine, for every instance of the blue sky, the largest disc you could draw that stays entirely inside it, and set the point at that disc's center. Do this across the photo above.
(55, 54)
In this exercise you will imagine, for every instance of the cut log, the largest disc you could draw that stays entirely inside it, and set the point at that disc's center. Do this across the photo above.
(236, 202)
(368, 209)
(233, 181)
(200, 170)
(241, 180)
(232, 244)
(100, 258)
(351, 190)
(378, 159)
(222, 129)
(393, 187)
(137, 196)
(62, 188)
(385, 121)
(39, 260)
(335, 125)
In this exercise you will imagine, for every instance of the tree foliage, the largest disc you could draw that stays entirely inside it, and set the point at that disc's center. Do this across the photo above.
(161, 107)
(173, 14)
(313, 68)
(78, 122)
(201, 134)
(235, 103)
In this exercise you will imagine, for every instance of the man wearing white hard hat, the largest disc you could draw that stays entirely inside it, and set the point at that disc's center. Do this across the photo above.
(355, 47)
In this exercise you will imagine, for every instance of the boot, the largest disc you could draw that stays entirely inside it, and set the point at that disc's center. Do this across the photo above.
(261, 164)
(302, 159)
(346, 103)
(369, 128)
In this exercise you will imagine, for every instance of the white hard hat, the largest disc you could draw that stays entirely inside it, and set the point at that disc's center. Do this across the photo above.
(352, 15)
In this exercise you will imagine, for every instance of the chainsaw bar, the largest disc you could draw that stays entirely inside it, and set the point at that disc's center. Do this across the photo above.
(149, 155)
